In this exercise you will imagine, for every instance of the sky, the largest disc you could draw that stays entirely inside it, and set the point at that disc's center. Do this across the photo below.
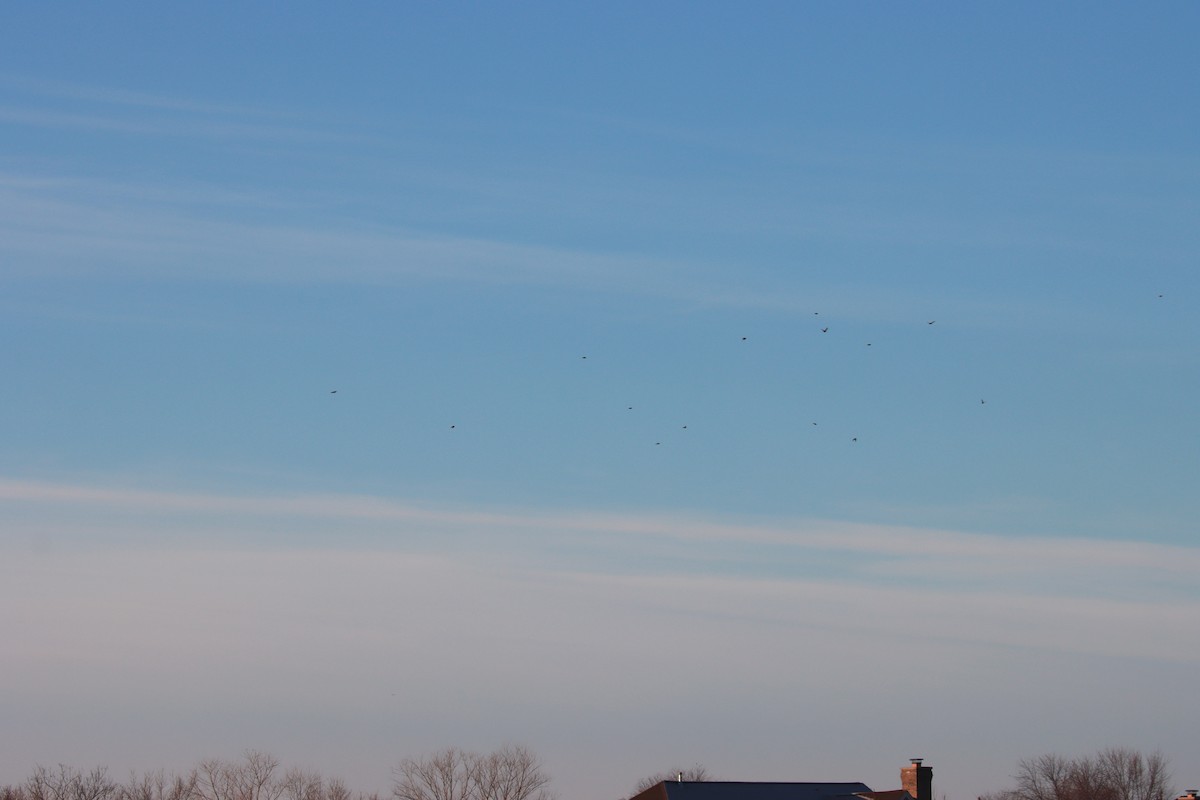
(789, 388)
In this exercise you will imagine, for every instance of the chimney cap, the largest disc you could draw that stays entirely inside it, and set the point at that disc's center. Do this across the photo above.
(916, 761)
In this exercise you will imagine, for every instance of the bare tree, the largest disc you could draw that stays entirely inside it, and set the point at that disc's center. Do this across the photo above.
(445, 775)
(510, 773)
(335, 789)
(252, 778)
(68, 783)
(1134, 776)
(214, 780)
(256, 777)
(696, 772)
(50, 784)
(159, 786)
(301, 785)
(96, 785)
(1117, 773)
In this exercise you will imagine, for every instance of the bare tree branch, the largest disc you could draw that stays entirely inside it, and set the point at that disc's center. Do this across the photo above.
(255, 777)
(510, 773)
(1117, 773)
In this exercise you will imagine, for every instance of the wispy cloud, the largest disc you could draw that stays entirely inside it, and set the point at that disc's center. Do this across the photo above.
(258, 232)
(117, 96)
(58, 105)
(818, 534)
(1070, 580)
(49, 229)
(50, 225)
(142, 126)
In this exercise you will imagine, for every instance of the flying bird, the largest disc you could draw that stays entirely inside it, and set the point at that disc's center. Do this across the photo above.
(931, 322)
(333, 391)
(824, 330)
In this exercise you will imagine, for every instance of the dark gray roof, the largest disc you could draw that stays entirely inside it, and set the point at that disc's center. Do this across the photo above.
(738, 790)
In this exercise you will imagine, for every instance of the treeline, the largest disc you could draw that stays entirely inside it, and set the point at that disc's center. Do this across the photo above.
(257, 776)
(509, 773)
(515, 773)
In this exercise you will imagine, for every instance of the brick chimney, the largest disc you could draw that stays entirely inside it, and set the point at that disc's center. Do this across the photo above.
(917, 780)
(1190, 794)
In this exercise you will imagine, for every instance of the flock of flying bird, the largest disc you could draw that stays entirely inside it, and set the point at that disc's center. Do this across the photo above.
(824, 330)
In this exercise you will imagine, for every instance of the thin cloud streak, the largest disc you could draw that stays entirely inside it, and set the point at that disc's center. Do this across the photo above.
(120, 97)
(144, 114)
(213, 129)
(899, 550)
(377, 609)
(65, 234)
(70, 227)
(818, 217)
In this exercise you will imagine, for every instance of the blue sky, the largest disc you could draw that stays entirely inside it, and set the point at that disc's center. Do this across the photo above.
(349, 354)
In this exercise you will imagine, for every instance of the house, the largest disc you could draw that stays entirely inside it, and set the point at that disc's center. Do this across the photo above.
(916, 783)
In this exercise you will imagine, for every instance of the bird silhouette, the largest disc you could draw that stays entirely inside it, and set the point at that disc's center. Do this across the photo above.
(824, 330)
